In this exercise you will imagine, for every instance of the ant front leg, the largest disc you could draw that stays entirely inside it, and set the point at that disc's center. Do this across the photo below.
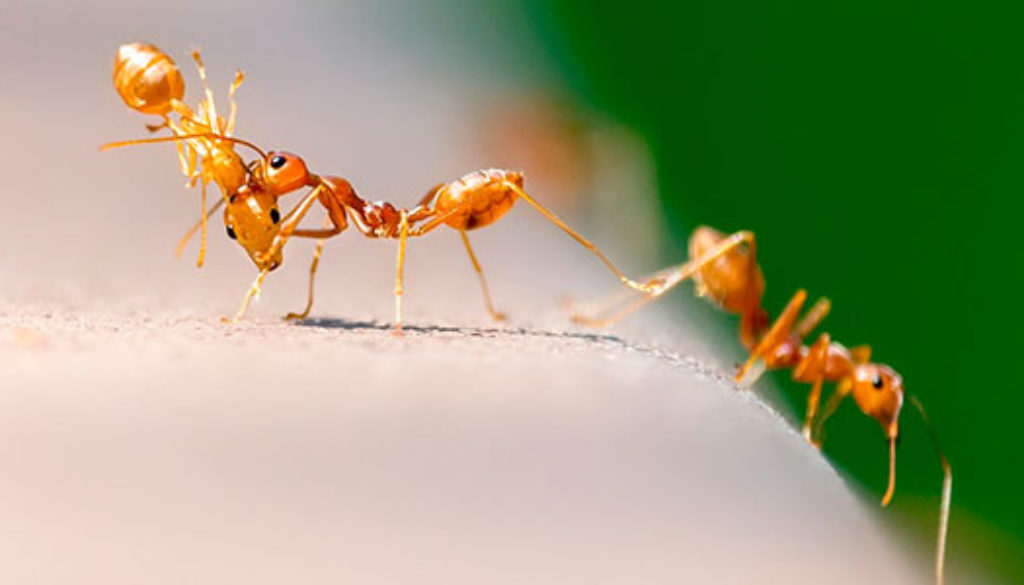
(331, 228)
(664, 281)
(843, 389)
(813, 368)
(288, 225)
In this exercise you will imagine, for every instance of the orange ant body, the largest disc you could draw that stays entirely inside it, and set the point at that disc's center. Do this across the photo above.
(149, 82)
(473, 201)
(726, 271)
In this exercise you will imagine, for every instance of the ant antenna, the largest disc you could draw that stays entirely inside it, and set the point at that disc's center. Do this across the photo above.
(209, 135)
(947, 492)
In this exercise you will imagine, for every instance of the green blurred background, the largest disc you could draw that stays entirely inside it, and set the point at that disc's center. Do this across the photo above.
(876, 148)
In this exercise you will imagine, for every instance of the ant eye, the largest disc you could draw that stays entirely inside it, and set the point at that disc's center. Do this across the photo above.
(877, 382)
(275, 215)
(277, 162)
(231, 233)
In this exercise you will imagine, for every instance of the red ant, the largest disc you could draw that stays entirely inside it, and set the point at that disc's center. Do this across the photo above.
(149, 82)
(725, 270)
(470, 202)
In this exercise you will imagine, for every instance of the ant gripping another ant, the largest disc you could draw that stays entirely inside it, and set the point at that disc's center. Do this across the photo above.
(726, 272)
(149, 82)
(473, 201)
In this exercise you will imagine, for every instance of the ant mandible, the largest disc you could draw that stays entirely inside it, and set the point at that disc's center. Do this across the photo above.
(149, 82)
(473, 201)
(726, 271)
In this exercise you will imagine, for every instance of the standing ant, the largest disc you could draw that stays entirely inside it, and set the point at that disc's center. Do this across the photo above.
(149, 82)
(726, 271)
(470, 202)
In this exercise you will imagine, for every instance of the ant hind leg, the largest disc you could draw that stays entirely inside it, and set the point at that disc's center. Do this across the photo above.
(648, 287)
(496, 315)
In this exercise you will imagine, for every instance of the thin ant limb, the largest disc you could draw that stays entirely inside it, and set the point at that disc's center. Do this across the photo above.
(233, 107)
(270, 259)
(813, 366)
(813, 318)
(312, 268)
(203, 215)
(644, 288)
(780, 330)
(947, 491)
(495, 314)
(192, 230)
(207, 105)
(667, 279)
(403, 231)
(252, 292)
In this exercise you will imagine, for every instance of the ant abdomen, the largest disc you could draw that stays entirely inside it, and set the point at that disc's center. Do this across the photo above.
(482, 197)
(147, 79)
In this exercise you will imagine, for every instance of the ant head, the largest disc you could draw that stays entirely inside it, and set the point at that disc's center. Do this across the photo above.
(253, 219)
(280, 173)
(878, 390)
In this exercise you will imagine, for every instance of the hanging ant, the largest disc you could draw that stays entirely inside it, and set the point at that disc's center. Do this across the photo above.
(726, 271)
(149, 82)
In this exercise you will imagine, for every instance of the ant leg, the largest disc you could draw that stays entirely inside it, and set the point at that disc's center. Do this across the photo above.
(192, 230)
(403, 235)
(287, 228)
(202, 220)
(644, 288)
(780, 330)
(312, 276)
(667, 279)
(813, 317)
(207, 104)
(230, 128)
(841, 392)
(312, 271)
(186, 155)
(947, 491)
(496, 315)
(434, 222)
(813, 367)
(252, 292)
(290, 221)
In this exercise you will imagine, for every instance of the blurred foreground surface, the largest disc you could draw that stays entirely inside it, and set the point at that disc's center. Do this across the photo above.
(333, 452)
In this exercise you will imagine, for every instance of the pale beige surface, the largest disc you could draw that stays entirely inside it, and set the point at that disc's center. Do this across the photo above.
(174, 450)
(144, 442)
